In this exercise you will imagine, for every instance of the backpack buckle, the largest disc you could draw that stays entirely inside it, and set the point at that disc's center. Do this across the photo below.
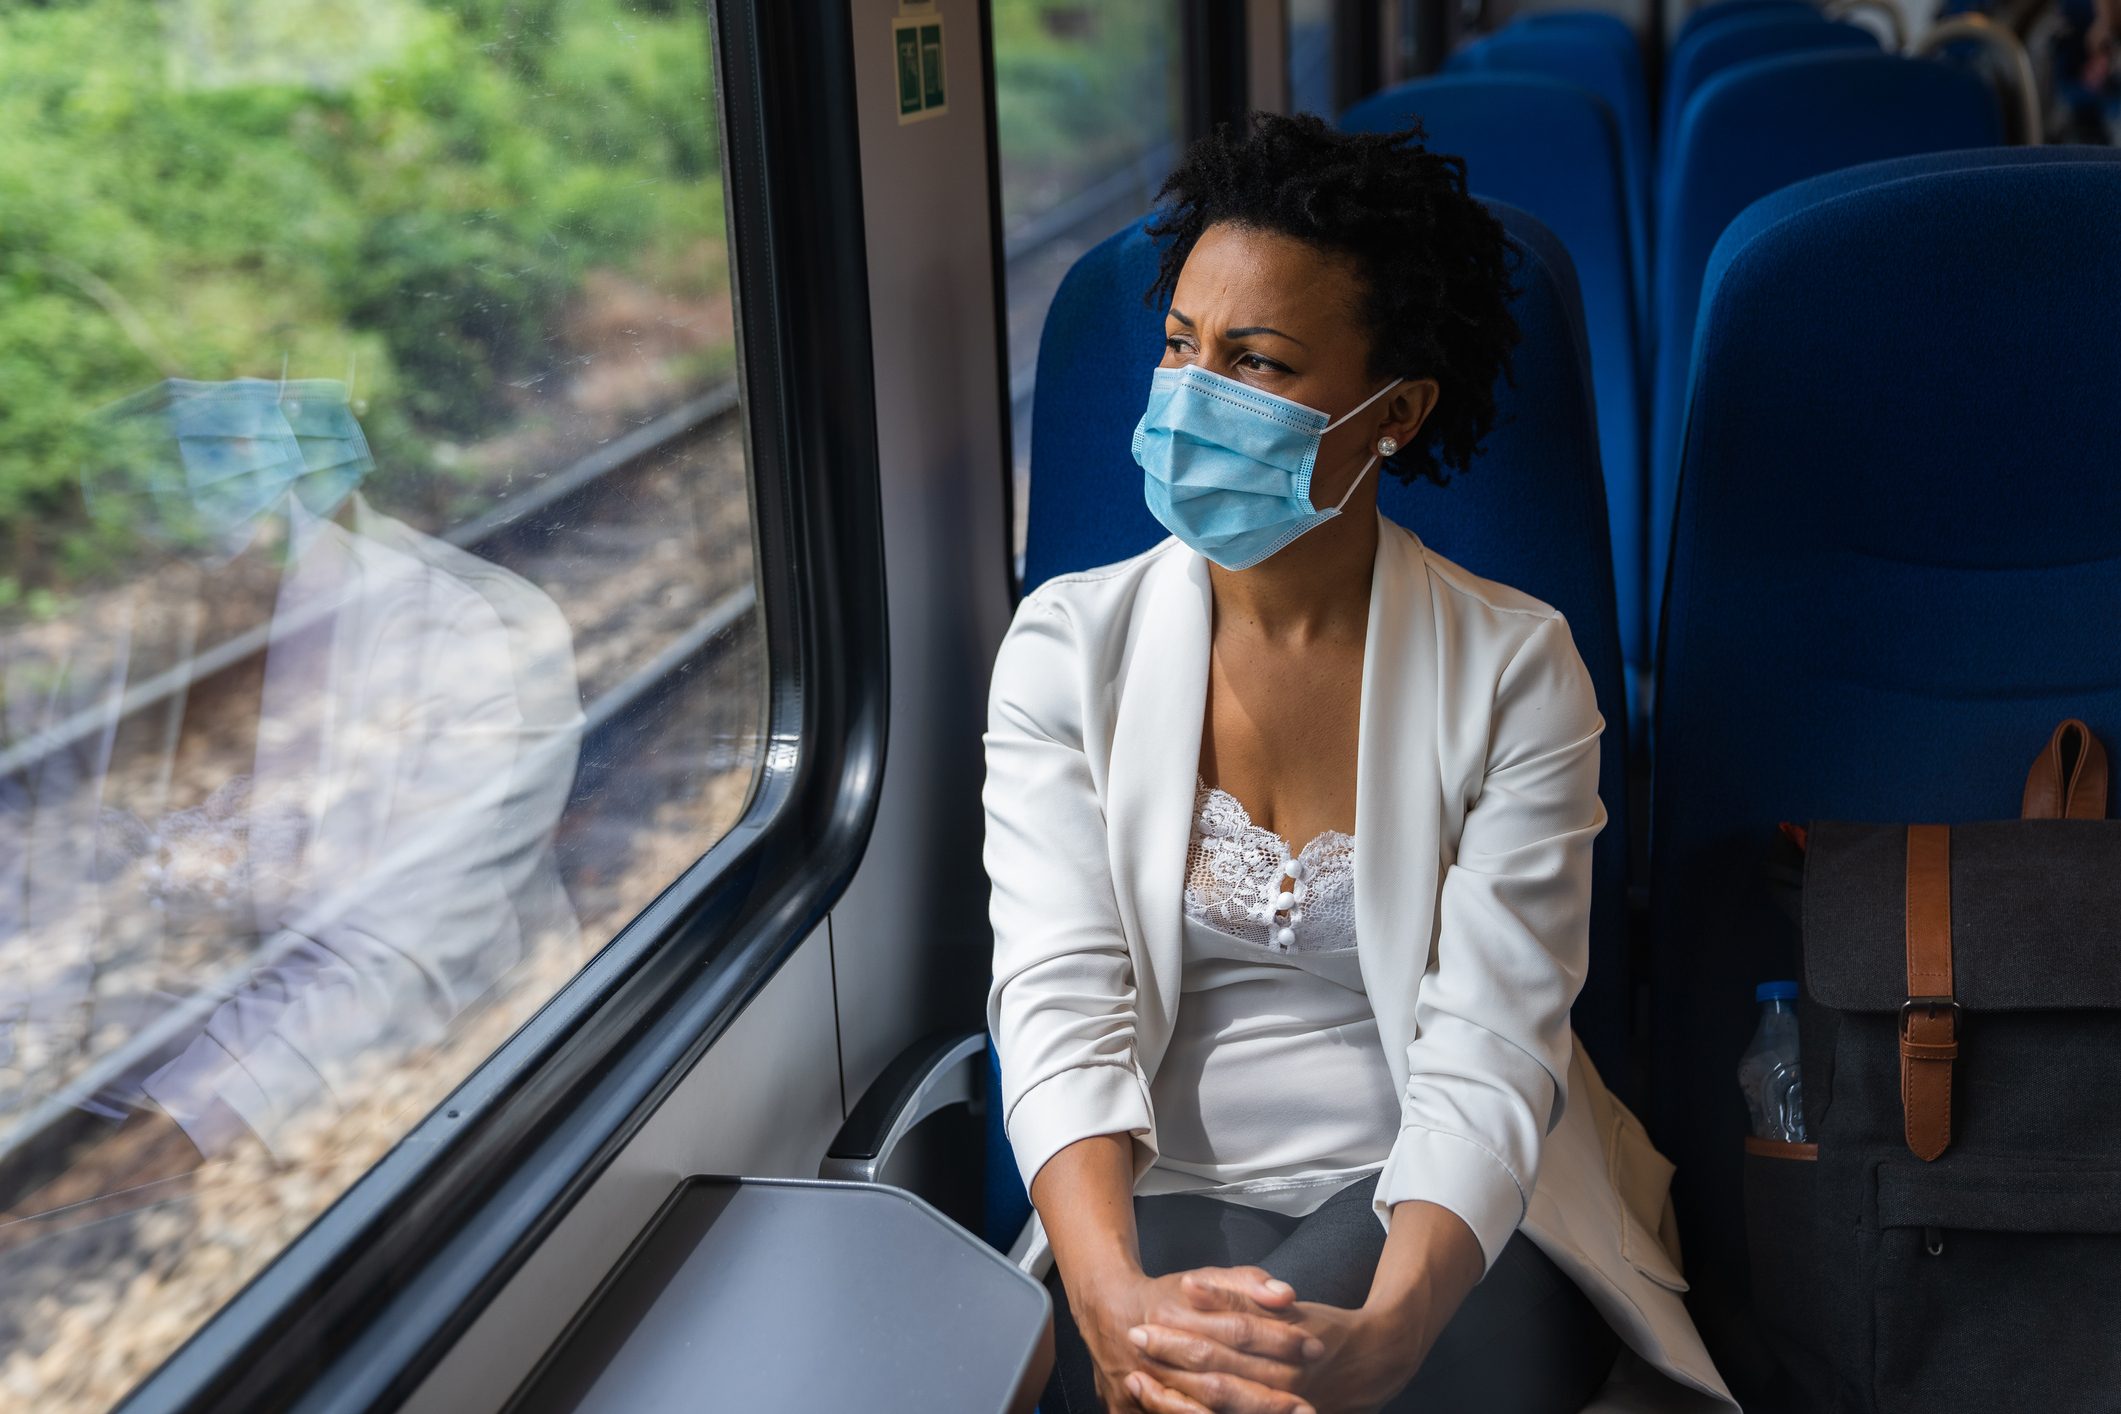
(1929, 1007)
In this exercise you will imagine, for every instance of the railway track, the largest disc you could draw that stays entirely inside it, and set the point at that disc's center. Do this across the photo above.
(596, 520)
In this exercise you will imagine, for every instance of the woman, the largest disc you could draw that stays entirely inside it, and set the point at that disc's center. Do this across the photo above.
(1289, 831)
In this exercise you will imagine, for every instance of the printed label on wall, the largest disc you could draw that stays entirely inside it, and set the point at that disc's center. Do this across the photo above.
(918, 47)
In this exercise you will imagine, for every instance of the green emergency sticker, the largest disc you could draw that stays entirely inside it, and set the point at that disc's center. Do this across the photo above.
(918, 50)
(932, 67)
(907, 38)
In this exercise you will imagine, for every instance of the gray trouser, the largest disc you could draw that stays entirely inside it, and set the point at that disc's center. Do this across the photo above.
(1526, 1341)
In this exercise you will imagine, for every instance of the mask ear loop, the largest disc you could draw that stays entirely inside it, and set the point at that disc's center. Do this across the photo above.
(1349, 494)
(1361, 405)
(1345, 498)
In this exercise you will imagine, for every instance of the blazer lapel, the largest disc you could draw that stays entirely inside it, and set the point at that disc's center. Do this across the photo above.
(1397, 791)
(1162, 696)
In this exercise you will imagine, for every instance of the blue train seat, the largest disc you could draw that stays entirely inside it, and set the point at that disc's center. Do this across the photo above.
(1525, 514)
(1724, 11)
(1718, 48)
(1898, 522)
(1761, 126)
(1597, 52)
(1554, 149)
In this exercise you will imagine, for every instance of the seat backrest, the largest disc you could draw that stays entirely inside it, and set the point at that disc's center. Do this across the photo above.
(1101, 338)
(1524, 514)
(1753, 129)
(1597, 52)
(1553, 149)
(1723, 11)
(1718, 48)
(1898, 527)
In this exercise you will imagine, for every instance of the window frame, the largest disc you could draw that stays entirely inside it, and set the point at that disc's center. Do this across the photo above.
(367, 1300)
(1214, 64)
(1358, 51)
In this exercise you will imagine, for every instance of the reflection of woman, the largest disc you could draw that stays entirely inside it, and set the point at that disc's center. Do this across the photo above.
(1289, 830)
(385, 859)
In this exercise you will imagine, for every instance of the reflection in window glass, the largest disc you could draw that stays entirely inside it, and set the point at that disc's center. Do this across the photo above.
(376, 602)
(1311, 57)
(1089, 101)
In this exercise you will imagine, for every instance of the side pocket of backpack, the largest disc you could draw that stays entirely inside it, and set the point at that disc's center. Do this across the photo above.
(1787, 1254)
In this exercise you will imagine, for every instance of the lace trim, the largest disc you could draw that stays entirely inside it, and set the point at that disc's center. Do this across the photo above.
(1242, 880)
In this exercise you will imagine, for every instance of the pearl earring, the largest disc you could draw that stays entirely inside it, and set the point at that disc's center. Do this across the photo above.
(1387, 445)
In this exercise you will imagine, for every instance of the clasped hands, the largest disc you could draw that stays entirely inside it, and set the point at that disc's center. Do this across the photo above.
(1233, 1340)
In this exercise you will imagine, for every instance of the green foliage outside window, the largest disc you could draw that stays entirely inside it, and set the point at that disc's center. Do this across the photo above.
(414, 192)
(1082, 87)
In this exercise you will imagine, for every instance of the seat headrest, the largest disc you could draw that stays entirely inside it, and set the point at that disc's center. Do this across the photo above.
(1906, 382)
(1769, 122)
(1715, 51)
(1711, 16)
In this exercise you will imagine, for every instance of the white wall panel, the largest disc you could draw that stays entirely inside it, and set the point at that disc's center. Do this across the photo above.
(910, 935)
(764, 1102)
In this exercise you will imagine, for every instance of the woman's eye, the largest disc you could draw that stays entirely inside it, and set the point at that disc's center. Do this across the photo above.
(1260, 363)
(1176, 344)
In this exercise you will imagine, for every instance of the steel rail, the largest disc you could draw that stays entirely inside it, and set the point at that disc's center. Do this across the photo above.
(612, 711)
(231, 652)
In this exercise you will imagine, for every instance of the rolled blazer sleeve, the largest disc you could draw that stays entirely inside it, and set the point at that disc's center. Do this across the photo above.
(1487, 1068)
(1062, 1007)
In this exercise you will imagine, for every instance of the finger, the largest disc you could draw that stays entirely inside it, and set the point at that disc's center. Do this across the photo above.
(1273, 1337)
(1158, 1398)
(1229, 1394)
(1236, 1288)
(1189, 1350)
(1116, 1396)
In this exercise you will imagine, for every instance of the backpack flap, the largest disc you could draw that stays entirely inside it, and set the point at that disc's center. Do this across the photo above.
(2035, 915)
(1942, 925)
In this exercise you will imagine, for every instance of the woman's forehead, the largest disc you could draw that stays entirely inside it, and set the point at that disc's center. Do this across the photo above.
(1240, 273)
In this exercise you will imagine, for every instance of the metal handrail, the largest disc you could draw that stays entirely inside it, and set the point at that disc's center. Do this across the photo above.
(2013, 53)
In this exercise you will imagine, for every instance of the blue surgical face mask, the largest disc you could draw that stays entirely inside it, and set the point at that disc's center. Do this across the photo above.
(238, 455)
(246, 444)
(1228, 467)
(335, 456)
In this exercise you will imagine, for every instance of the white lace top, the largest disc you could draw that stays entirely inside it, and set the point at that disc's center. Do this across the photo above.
(1242, 880)
(1274, 1090)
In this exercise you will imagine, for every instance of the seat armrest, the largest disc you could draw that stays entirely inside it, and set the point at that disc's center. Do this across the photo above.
(946, 1068)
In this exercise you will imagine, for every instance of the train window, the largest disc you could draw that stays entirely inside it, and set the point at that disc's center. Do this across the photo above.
(378, 624)
(1089, 102)
(1311, 56)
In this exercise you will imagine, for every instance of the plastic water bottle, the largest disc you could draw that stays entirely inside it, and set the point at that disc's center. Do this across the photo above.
(1768, 1073)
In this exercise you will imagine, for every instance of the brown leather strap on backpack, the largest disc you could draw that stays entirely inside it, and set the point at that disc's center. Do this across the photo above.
(1929, 1020)
(2068, 781)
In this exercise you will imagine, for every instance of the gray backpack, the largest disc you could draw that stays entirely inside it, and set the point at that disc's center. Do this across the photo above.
(1951, 1240)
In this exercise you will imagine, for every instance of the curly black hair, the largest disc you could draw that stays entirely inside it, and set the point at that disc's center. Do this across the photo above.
(1433, 262)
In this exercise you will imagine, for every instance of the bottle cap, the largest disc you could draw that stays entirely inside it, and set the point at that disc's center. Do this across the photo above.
(1775, 992)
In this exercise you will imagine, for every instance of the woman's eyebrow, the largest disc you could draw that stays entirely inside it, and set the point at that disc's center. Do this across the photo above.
(1180, 316)
(1263, 329)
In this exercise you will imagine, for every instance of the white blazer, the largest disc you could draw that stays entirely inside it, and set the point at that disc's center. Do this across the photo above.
(1476, 805)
